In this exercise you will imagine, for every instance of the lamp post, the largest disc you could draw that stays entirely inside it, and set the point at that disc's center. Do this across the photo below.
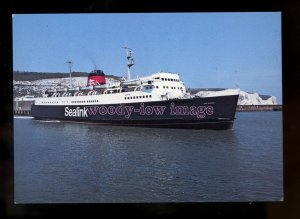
(70, 68)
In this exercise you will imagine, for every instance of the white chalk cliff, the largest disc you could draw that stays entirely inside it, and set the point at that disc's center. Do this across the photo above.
(255, 99)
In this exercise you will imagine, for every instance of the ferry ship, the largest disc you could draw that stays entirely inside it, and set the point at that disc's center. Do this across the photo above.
(159, 100)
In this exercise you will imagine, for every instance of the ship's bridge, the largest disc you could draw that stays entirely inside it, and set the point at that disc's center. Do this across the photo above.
(165, 76)
(162, 77)
(163, 84)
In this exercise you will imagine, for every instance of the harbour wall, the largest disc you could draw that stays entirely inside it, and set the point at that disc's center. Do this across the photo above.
(253, 108)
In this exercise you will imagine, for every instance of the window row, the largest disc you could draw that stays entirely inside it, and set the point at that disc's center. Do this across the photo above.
(83, 101)
(149, 87)
(167, 87)
(50, 102)
(138, 97)
(169, 79)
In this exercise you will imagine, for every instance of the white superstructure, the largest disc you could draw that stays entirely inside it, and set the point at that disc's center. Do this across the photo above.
(156, 87)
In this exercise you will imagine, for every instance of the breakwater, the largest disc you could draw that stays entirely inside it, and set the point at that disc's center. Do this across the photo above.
(253, 108)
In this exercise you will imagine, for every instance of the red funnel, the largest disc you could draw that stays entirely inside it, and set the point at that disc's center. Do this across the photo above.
(96, 77)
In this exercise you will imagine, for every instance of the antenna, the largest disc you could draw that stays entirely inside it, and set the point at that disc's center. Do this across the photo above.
(130, 60)
(70, 68)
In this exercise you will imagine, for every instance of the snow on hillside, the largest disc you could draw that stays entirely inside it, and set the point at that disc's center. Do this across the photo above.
(36, 88)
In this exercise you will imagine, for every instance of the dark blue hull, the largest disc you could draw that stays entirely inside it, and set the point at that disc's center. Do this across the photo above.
(196, 113)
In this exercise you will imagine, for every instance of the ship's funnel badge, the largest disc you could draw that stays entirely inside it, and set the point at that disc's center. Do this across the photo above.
(96, 77)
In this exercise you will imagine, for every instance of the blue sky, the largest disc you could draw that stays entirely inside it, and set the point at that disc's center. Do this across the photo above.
(207, 49)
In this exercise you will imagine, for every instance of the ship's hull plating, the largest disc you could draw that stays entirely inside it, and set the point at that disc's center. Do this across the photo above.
(195, 113)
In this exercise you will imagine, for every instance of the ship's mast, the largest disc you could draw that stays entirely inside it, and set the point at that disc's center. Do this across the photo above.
(130, 60)
(70, 68)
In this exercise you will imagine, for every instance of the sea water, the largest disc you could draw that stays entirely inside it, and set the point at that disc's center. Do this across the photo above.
(60, 162)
